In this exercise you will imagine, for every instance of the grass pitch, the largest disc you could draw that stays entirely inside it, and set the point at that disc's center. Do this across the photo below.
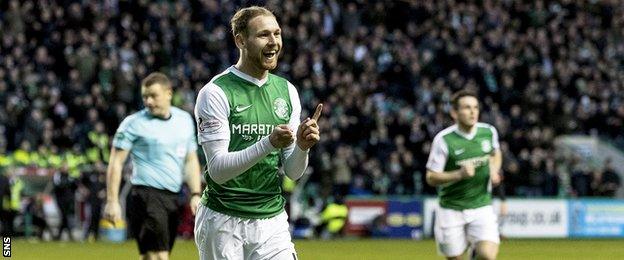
(335, 249)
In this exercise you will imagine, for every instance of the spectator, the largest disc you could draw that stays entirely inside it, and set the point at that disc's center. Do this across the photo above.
(95, 183)
(64, 193)
(606, 182)
(543, 68)
(35, 209)
(11, 204)
(581, 182)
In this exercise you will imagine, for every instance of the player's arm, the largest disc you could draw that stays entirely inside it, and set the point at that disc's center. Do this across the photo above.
(224, 166)
(436, 162)
(438, 178)
(211, 112)
(496, 162)
(296, 155)
(496, 159)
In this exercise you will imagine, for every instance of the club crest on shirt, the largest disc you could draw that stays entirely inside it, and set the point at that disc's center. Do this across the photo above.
(209, 125)
(280, 107)
(486, 146)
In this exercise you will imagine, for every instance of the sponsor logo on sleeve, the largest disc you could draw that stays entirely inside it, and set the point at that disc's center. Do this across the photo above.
(209, 125)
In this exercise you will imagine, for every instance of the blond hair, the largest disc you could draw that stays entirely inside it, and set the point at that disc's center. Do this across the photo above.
(241, 18)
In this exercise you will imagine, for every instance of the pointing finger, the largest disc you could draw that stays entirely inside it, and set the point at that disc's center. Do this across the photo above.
(317, 113)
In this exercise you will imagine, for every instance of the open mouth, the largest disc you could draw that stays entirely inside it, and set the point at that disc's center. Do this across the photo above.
(270, 54)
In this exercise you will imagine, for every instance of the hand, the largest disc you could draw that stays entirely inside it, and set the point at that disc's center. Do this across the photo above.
(495, 175)
(467, 171)
(308, 133)
(194, 203)
(112, 211)
(503, 208)
(281, 136)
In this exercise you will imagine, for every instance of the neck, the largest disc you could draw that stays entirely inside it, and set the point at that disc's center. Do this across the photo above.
(251, 70)
(166, 115)
(465, 128)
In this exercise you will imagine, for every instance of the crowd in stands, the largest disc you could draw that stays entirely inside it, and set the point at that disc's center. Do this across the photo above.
(384, 70)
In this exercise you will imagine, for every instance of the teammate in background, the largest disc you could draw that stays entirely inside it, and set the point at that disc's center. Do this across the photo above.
(161, 141)
(248, 125)
(464, 162)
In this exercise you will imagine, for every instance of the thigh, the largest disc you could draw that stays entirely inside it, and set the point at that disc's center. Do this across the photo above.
(270, 239)
(484, 227)
(217, 236)
(173, 217)
(136, 211)
(450, 232)
(487, 249)
(152, 219)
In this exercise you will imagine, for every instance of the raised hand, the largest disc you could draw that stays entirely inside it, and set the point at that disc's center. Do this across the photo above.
(308, 133)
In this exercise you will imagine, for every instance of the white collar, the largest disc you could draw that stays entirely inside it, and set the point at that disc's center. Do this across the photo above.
(463, 134)
(247, 77)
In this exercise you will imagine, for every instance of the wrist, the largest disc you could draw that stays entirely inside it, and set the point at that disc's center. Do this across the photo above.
(301, 147)
(267, 143)
(461, 174)
(199, 194)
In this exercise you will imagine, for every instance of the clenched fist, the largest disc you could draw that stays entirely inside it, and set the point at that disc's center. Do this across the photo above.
(282, 136)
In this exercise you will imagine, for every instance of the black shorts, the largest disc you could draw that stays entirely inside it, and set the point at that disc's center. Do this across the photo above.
(154, 215)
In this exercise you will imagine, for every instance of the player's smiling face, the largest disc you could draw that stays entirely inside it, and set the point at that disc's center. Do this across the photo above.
(263, 42)
(467, 112)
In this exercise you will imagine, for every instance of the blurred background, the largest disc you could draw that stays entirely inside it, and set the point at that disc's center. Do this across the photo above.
(549, 74)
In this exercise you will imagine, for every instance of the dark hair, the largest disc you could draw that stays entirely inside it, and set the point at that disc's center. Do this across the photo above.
(156, 78)
(241, 18)
(460, 94)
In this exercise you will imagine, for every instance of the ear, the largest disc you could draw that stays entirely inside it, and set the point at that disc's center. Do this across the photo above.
(239, 39)
(453, 114)
(169, 92)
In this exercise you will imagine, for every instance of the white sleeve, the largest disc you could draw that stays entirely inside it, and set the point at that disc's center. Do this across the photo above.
(296, 160)
(495, 143)
(438, 155)
(211, 114)
(224, 166)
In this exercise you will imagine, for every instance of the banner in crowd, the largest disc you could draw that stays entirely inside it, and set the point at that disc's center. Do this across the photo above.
(362, 212)
(404, 219)
(526, 218)
(429, 204)
(596, 218)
